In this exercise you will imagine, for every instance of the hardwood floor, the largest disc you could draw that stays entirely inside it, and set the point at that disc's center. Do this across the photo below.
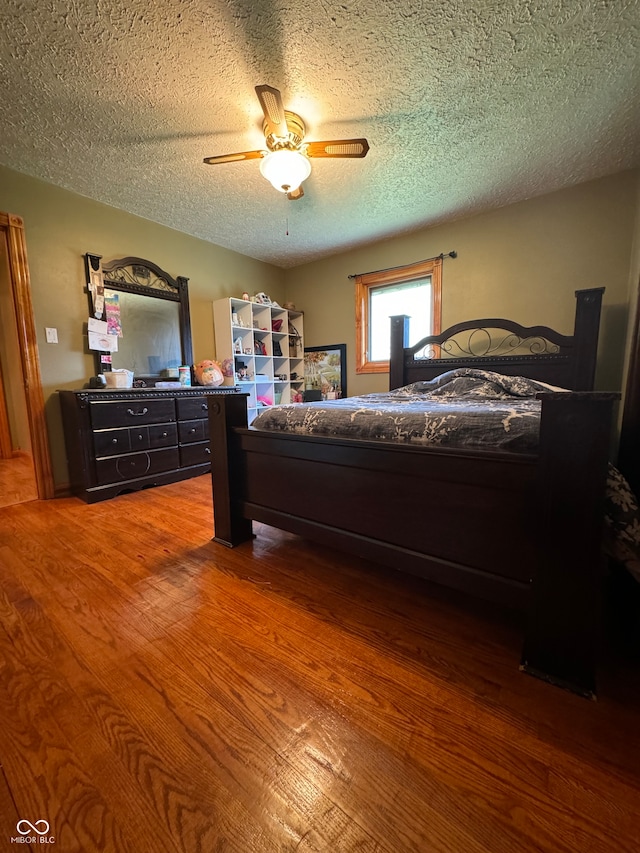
(17, 480)
(161, 693)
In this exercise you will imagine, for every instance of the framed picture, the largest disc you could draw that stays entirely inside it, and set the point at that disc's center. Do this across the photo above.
(325, 370)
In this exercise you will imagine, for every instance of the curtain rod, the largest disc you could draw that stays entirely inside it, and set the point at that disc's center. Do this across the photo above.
(388, 269)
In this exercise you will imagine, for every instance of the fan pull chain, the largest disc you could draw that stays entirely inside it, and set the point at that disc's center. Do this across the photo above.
(287, 232)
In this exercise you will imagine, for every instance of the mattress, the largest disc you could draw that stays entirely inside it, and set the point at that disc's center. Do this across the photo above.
(462, 408)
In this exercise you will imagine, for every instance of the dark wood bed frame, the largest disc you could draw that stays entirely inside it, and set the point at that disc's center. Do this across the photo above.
(520, 529)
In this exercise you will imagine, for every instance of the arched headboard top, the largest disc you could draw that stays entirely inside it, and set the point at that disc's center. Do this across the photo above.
(505, 346)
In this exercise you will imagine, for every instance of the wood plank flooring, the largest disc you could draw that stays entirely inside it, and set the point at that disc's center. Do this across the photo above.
(161, 693)
(17, 480)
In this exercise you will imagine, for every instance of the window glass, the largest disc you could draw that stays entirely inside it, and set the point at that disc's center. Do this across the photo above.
(414, 290)
(412, 298)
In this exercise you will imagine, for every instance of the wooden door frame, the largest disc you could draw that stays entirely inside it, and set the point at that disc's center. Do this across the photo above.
(21, 290)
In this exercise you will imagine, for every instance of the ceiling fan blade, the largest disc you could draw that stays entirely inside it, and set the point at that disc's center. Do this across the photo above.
(273, 109)
(233, 158)
(292, 196)
(337, 148)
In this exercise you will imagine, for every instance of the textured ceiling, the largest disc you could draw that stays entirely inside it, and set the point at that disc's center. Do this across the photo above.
(467, 104)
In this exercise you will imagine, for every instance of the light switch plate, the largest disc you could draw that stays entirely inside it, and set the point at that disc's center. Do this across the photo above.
(52, 336)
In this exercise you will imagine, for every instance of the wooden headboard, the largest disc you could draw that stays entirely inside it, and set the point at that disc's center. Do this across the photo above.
(538, 352)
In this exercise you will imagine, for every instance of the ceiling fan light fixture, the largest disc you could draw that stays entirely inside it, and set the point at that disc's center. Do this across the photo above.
(285, 169)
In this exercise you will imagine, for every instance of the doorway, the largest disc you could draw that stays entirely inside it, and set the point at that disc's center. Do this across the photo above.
(25, 466)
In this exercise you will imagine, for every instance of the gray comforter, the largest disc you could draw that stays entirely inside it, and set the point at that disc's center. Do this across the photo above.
(461, 408)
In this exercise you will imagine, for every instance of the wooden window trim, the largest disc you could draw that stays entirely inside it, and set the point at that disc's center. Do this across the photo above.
(397, 275)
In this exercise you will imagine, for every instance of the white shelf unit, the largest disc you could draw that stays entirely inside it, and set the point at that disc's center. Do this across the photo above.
(266, 343)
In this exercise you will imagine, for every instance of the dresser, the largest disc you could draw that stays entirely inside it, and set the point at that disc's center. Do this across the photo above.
(120, 441)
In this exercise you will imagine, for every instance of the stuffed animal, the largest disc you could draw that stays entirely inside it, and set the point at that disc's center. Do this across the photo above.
(209, 373)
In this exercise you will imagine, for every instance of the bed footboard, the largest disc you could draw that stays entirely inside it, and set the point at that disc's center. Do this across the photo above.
(520, 529)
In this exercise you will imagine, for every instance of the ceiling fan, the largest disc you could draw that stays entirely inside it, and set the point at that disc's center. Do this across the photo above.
(286, 162)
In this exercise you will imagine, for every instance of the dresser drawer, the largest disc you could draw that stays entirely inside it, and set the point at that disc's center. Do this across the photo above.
(139, 438)
(195, 454)
(111, 442)
(150, 437)
(115, 469)
(163, 435)
(193, 431)
(131, 412)
(190, 408)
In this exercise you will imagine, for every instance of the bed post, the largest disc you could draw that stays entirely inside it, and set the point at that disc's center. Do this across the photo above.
(564, 617)
(399, 340)
(226, 412)
(585, 333)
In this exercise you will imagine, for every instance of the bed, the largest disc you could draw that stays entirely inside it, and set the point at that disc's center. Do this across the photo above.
(521, 526)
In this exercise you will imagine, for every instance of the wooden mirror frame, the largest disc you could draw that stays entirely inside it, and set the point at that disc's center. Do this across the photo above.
(120, 275)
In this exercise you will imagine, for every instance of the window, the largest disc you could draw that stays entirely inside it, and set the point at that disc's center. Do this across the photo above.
(415, 290)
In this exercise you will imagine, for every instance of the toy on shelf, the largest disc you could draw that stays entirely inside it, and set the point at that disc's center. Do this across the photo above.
(228, 371)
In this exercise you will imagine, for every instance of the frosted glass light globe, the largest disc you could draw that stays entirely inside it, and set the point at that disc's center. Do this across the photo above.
(285, 169)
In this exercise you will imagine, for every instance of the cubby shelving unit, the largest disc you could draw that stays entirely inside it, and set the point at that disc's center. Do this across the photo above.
(266, 343)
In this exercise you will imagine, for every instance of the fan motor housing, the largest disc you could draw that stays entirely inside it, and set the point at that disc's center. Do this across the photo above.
(295, 126)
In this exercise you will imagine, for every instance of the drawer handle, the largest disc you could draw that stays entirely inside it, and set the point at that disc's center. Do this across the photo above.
(140, 438)
(207, 450)
(192, 431)
(114, 441)
(137, 414)
(165, 434)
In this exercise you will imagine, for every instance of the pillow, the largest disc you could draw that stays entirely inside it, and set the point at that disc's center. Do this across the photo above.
(471, 382)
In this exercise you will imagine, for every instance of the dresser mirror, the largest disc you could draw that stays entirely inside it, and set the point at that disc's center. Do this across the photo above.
(148, 310)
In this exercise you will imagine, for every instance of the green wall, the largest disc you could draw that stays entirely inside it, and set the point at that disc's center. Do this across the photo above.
(60, 228)
(523, 262)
